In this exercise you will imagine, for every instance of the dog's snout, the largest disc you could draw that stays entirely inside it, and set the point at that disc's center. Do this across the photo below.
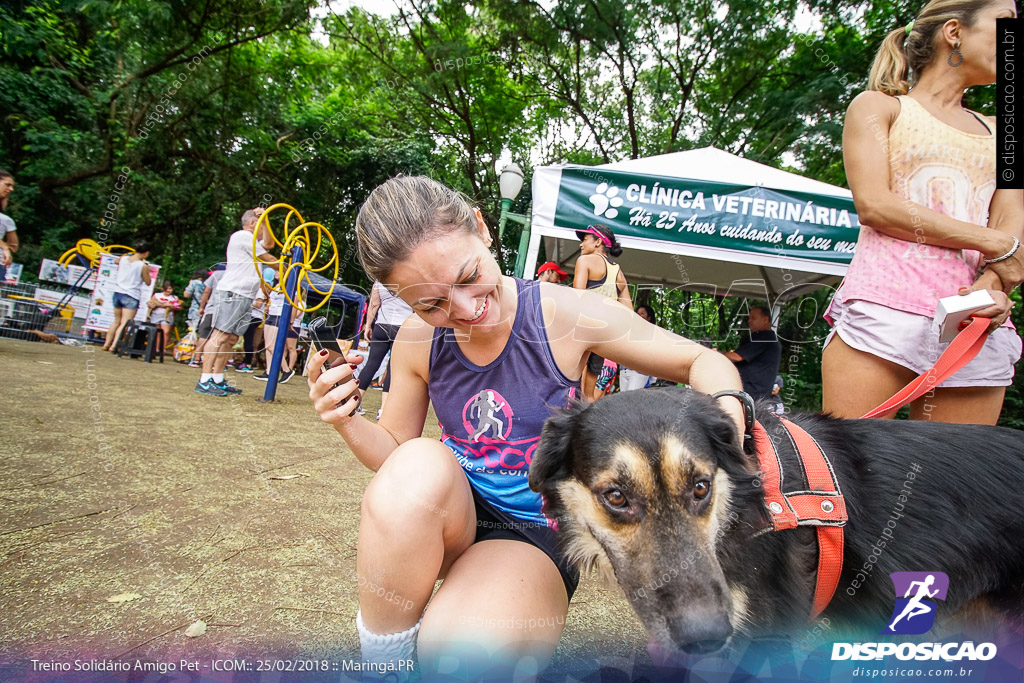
(701, 633)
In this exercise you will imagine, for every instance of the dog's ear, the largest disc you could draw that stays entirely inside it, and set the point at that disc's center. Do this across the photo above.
(552, 460)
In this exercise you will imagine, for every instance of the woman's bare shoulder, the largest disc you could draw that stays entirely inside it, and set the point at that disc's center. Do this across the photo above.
(415, 329)
(874, 102)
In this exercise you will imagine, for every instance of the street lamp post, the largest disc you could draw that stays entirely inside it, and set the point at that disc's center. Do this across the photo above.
(510, 183)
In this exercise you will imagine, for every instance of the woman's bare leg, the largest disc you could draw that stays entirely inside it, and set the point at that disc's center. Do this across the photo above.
(499, 612)
(291, 353)
(417, 518)
(961, 405)
(126, 315)
(854, 382)
(111, 339)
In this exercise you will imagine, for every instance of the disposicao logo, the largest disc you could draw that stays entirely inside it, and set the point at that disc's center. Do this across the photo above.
(914, 614)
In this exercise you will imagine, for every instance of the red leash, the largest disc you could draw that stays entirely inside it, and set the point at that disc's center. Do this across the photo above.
(959, 353)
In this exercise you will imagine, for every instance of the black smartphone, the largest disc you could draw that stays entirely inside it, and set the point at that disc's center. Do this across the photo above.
(323, 339)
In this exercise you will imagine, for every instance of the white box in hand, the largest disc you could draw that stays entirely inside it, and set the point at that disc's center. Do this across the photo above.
(953, 310)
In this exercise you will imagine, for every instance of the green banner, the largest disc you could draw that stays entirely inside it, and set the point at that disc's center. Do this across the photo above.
(711, 214)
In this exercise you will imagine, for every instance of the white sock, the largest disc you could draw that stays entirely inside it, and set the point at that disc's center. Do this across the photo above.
(205, 377)
(388, 648)
(217, 377)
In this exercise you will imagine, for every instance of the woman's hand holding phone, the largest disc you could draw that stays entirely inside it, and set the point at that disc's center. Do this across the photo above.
(332, 388)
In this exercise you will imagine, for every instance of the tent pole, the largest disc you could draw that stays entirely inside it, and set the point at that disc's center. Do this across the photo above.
(530, 264)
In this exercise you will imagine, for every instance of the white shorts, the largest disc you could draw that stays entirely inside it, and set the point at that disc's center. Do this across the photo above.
(911, 340)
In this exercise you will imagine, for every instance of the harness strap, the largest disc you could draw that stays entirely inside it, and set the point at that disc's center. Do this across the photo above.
(823, 505)
(959, 353)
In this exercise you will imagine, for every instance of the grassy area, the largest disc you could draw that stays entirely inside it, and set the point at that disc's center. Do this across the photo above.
(118, 479)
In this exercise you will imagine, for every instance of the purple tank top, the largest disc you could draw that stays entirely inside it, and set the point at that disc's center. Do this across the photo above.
(491, 416)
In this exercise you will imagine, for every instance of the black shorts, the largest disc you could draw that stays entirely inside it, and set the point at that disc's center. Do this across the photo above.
(205, 326)
(493, 524)
(594, 364)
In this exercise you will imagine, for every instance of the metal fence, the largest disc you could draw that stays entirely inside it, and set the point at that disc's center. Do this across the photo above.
(22, 316)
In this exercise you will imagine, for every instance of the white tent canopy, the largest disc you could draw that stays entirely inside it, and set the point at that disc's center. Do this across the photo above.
(757, 268)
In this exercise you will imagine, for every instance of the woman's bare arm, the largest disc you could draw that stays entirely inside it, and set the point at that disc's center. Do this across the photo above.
(407, 402)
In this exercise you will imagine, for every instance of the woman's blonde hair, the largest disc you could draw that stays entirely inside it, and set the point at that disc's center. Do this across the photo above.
(904, 55)
(401, 214)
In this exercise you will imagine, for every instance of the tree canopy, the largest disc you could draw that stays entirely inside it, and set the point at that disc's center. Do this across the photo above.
(210, 107)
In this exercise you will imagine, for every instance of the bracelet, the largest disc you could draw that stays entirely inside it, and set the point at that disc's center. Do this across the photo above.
(1013, 250)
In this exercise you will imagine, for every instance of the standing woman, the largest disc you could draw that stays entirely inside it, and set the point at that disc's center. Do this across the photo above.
(132, 273)
(493, 355)
(594, 270)
(922, 169)
(385, 314)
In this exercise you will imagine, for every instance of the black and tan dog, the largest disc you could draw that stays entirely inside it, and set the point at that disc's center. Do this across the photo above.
(654, 488)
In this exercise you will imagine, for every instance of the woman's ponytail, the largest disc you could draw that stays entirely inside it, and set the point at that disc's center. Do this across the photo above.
(890, 72)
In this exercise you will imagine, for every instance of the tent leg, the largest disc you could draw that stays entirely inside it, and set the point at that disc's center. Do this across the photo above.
(776, 313)
(530, 264)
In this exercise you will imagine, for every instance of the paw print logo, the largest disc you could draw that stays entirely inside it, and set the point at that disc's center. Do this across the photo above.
(606, 201)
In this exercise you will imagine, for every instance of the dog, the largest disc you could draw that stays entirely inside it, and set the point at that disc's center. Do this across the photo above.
(656, 489)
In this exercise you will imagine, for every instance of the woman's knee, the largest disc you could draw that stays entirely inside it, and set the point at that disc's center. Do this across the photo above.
(416, 480)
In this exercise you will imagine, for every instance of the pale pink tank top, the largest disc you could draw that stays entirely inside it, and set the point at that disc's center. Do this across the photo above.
(938, 166)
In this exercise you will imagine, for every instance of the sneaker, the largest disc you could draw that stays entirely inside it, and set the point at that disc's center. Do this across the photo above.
(226, 388)
(286, 375)
(379, 411)
(263, 376)
(244, 368)
(195, 364)
(209, 389)
(360, 411)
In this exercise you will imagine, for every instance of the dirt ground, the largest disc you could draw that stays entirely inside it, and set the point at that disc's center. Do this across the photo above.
(117, 479)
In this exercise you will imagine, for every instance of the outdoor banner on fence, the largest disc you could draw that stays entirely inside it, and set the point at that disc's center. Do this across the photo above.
(101, 306)
(712, 214)
(52, 271)
(80, 304)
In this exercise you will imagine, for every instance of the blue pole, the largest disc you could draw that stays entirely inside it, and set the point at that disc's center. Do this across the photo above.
(284, 325)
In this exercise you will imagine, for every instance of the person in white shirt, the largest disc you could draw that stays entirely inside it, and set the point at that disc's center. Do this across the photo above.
(132, 273)
(162, 306)
(233, 300)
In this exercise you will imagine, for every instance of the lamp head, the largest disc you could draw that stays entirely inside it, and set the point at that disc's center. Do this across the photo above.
(511, 181)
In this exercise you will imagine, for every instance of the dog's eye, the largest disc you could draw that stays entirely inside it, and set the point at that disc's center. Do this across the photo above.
(701, 489)
(615, 498)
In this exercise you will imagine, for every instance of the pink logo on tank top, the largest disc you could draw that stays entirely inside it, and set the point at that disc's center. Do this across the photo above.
(487, 413)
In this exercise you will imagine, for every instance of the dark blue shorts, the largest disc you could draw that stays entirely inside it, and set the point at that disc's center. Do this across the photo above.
(125, 301)
(275, 321)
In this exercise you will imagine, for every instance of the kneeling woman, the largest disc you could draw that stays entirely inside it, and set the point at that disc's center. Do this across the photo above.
(495, 355)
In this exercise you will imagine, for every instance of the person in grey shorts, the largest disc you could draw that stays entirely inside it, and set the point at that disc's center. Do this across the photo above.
(232, 302)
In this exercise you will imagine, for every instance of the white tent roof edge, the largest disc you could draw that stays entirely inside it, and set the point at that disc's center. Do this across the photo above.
(715, 166)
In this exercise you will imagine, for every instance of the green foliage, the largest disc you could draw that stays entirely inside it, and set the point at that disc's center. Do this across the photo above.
(217, 107)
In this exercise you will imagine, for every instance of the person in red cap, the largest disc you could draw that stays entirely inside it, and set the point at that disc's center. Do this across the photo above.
(550, 272)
